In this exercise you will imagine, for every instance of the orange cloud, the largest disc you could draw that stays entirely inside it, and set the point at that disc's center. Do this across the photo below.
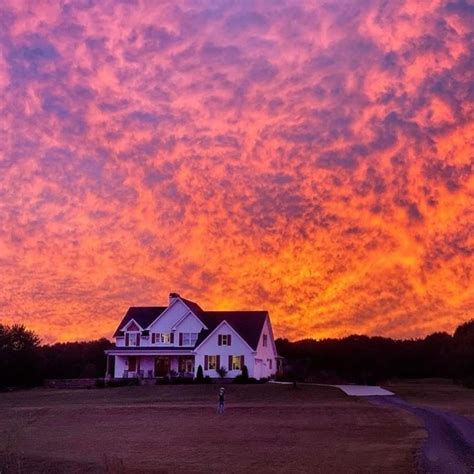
(315, 161)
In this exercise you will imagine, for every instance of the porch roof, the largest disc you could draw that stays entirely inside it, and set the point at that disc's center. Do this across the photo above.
(150, 351)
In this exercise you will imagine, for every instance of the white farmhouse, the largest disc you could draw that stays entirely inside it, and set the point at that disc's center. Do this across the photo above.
(176, 339)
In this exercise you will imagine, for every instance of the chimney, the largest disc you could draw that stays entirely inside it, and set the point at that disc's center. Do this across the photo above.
(172, 297)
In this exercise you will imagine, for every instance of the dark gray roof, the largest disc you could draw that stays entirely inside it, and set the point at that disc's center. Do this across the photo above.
(143, 315)
(248, 324)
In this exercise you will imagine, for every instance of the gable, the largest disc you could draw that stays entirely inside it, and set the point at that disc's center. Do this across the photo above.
(248, 324)
(189, 323)
(270, 348)
(170, 317)
(132, 326)
(212, 340)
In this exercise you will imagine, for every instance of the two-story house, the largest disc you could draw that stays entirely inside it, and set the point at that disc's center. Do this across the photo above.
(178, 338)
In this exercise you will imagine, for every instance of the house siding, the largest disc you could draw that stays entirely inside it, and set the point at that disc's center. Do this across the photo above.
(265, 353)
(211, 347)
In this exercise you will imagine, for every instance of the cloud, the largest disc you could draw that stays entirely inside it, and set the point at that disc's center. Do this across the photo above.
(314, 160)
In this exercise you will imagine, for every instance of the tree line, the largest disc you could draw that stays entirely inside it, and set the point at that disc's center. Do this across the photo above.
(24, 362)
(370, 360)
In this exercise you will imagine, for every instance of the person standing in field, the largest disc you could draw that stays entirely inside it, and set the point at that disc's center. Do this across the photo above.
(221, 407)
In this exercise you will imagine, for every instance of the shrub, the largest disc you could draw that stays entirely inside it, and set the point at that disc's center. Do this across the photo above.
(200, 375)
(123, 382)
(163, 381)
(222, 371)
(207, 379)
(100, 383)
(245, 373)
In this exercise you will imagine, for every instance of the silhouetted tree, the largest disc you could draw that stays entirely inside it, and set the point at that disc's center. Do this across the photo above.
(67, 360)
(20, 357)
(199, 374)
(245, 373)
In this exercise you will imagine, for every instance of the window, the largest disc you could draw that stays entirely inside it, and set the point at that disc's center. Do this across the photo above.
(212, 362)
(224, 340)
(264, 341)
(189, 338)
(236, 365)
(132, 339)
(162, 338)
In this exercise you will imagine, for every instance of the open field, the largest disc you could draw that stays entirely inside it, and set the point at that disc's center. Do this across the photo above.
(175, 429)
(436, 393)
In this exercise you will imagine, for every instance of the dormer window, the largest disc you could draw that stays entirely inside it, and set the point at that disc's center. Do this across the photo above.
(265, 340)
(132, 339)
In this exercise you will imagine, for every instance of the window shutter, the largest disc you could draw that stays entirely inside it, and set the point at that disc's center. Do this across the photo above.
(228, 339)
(126, 339)
(138, 339)
(219, 340)
(206, 362)
(180, 338)
(172, 338)
(218, 362)
(153, 336)
(230, 362)
(242, 362)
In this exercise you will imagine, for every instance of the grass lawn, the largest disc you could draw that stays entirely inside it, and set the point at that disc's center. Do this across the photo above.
(267, 428)
(436, 393)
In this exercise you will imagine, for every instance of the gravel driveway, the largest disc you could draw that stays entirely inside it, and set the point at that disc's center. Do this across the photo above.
(449, 447)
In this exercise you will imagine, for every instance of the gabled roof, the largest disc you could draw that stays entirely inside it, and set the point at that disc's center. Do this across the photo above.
(248, 324)
(194, 307)
(143, 315)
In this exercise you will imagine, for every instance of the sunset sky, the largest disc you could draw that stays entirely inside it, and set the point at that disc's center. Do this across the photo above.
(314, 159)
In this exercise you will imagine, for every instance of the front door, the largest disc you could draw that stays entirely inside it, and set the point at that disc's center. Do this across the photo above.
(162, 366)
(189, 366)
(132, 364)
(186, 364)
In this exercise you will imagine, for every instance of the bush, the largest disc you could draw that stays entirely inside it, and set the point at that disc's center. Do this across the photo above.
(163, 381)
(100, 383)
(207, 379)
(222, 371)
(123, 382)
(200, 375)
(182, 380)
(245, 373)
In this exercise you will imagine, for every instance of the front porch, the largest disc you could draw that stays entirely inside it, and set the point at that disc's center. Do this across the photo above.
(153, 366)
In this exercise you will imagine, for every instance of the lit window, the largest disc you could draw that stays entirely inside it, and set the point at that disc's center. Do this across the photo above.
(212, 362)
(189, 338)
(264, 342)
(236, 365)
(162, 338)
